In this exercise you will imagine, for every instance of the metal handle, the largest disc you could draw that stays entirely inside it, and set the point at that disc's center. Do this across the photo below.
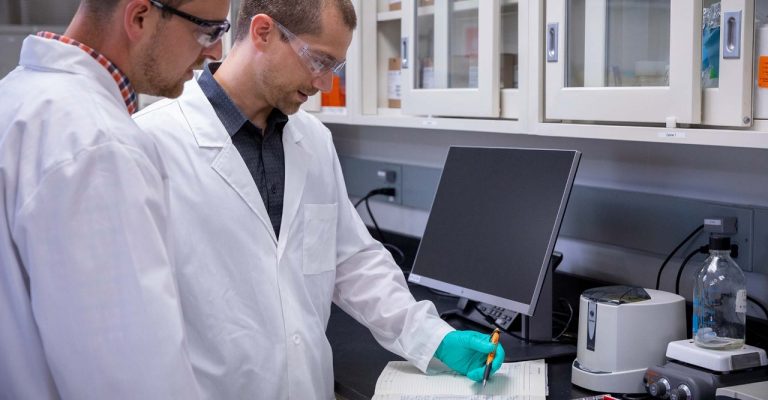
(732, 38)
(552, 41)
(404, 53)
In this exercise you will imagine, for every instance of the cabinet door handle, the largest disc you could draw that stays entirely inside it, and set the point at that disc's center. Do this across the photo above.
(552, 39)
(404, 52)
(732, 39)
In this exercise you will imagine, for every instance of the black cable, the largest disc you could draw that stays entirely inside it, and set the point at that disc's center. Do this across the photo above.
(375, 224)
(392, 248)
(375, 192)
(702, 249)
(759, 305)
(362, 199)
(669, 257)
(400, 259)
(570, 317)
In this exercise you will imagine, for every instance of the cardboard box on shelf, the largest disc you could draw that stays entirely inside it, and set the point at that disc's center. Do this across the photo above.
(508, 70)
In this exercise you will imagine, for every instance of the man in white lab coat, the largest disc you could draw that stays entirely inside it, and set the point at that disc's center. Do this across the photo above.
(88, 302)
(266, 236)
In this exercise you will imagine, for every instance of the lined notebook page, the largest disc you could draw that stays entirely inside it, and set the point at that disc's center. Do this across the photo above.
(522, 380)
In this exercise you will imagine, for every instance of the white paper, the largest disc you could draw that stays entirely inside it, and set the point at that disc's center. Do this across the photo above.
(520, 381)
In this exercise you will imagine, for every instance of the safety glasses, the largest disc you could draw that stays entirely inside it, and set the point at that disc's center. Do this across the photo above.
(318, 64)
(208, 31)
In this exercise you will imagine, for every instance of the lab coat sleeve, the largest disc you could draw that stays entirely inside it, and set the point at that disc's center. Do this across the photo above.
(92, 238)
(372, 289)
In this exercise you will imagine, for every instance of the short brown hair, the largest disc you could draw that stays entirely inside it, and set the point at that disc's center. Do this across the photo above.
(105, 8)
(299, 16)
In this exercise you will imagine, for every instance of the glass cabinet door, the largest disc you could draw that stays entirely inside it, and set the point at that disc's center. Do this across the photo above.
(727, 62)
(514, 44)
(623, 60)
(451, 57)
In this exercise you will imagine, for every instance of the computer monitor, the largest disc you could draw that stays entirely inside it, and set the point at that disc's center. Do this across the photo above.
(494, 222)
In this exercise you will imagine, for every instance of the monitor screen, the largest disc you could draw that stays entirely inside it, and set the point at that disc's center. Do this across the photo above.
(494, 222)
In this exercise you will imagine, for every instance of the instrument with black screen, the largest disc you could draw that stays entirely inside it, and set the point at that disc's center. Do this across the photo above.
(494, 222)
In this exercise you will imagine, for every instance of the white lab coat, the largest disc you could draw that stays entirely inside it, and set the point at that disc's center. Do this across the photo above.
(88, 303)
(256, 308)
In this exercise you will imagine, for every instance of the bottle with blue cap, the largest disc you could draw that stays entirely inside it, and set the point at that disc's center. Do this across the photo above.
(720, 300)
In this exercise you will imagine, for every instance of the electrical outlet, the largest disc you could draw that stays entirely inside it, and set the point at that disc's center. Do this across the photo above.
(362, 176)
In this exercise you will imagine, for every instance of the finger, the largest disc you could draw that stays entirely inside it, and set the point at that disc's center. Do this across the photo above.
(498, 359)
(478, 342)
(476, 374)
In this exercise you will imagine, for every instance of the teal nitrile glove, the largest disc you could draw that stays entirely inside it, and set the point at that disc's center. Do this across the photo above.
(466, 352)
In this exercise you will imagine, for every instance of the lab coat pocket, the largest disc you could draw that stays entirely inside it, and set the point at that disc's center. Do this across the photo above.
(319, 238)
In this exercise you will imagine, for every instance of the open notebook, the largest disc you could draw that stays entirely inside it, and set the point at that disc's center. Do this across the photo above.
(521, 380)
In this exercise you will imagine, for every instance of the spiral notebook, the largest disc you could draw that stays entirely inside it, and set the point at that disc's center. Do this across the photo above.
(400, 380)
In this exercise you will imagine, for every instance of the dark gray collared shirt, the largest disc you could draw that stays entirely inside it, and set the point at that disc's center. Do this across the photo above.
(263, 154)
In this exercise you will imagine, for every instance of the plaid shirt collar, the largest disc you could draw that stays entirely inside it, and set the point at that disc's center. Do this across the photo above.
(126, 90)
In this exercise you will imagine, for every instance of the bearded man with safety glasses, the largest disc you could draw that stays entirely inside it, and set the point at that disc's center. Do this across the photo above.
(266, 236)
(89, 307)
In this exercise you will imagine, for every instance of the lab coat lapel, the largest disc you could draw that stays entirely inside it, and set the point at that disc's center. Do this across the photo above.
(210, 133)
(296, 162)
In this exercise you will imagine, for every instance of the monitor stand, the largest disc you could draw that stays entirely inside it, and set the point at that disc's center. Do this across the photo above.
(534, 332)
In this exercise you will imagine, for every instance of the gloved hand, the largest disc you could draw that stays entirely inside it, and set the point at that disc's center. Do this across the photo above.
(466, 351)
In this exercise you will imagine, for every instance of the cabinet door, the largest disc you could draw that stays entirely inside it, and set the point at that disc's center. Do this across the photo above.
(727, 64)
(515, 47)
(623, 60)
(451, 64)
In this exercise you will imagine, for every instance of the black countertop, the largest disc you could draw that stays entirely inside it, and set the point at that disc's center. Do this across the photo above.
(358, 359)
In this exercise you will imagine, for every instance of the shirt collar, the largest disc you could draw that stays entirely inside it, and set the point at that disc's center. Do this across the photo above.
(226, 110)
(231, 116)
(123, 83)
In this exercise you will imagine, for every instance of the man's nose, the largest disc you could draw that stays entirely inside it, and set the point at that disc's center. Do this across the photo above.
(214, 51)
(324, 82)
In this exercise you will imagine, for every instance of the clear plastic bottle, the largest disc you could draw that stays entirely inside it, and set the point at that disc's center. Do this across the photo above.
(720, 300)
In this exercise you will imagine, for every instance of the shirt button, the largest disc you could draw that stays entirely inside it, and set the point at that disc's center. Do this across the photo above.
(296, 339)
(274, 189)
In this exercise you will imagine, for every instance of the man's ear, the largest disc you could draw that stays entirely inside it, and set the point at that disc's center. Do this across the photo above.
(136, 18)
(262, 26)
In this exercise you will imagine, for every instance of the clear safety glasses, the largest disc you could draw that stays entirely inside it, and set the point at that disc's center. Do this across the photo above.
(317, 63)
(208, 31)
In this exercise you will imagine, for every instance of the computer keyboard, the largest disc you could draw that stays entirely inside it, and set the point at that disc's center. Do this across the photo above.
(502, 317)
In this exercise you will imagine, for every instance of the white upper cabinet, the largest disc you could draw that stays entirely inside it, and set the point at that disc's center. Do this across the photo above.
(727, 63)
(640, 61)
(447, 58)
(623, 60)
(451, 63)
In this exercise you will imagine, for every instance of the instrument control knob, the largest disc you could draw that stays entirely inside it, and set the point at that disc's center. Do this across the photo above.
(682, 392)
(659, 389)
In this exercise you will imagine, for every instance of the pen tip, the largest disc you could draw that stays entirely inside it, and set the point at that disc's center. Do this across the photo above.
(484, 382)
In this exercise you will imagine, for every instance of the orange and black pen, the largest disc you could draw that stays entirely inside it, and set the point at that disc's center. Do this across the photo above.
(489, 360)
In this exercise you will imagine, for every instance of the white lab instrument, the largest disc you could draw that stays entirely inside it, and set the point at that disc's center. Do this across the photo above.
(622, 331)
(687, 352)
(693, 372)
